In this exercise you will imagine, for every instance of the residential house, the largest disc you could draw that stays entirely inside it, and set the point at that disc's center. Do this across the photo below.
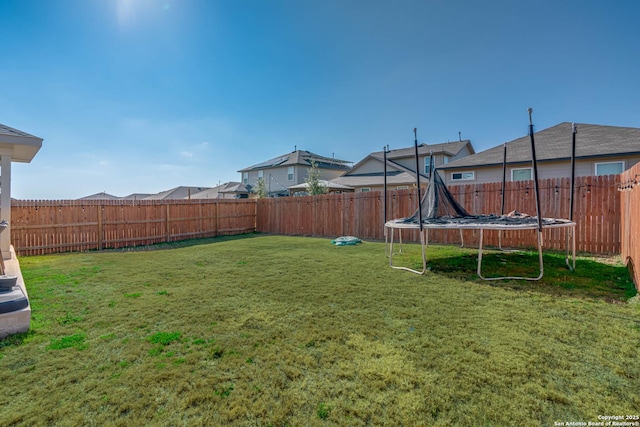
(368, 173)
(332, 187)
(600, 150)
(136, 196)
(100, 196)
(181, 192)
(228, 190)
(290, 169)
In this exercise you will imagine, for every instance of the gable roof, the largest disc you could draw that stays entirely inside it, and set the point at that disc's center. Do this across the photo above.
(24, 146)
(449, 148)
(219, 191)
(554, 143)
(176, 193)
(332, 185)
(100, 196)
(377, 180)
(136, 196)
(300, 157)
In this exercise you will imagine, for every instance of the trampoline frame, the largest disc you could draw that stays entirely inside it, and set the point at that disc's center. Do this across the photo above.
(424, 242)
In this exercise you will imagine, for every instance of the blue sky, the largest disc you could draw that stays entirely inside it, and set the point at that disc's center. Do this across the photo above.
(146, 95)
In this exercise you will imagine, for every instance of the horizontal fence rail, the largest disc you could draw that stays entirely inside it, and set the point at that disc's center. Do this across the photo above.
(596, 212)
(43, 227)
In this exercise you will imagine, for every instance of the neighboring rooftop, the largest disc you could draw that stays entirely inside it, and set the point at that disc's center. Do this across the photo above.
(100, 196)
(176, 193)
(301, 157)
(450, 148)
(222, 191)
(554, 143)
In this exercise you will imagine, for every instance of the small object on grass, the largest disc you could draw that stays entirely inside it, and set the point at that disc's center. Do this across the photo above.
(346, 240)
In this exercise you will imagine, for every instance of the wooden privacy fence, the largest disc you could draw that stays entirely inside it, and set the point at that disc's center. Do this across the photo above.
(630, 224)
(596, 211)
(41, 227)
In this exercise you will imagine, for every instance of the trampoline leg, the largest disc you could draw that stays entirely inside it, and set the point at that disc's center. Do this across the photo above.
(461, 239)
(540, 260)
(424, 254)
(571, 232)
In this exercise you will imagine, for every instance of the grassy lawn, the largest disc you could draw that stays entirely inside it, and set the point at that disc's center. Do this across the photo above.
(270, 330)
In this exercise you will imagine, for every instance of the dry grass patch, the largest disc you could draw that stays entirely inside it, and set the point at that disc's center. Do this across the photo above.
(294, 331)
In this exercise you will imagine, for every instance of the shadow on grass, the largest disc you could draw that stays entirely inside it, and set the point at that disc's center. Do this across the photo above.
(591, 279)
(185, 243)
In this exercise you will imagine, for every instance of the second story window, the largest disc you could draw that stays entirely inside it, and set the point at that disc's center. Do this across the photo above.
(260, 174)
(290, 173)
(427, 165)
(245, 177)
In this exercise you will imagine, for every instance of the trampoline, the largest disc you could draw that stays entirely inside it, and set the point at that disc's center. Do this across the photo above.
(439, 210)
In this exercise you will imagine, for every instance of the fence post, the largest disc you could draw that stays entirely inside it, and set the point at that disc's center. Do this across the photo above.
(100, 230)
(167, 223)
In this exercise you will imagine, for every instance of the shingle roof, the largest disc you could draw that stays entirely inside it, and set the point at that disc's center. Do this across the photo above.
(554, 143)
(300, 157)
(450, 148)
(23, 145)
(6, 130)
(100, 196)
(176, 193)
(375, 180)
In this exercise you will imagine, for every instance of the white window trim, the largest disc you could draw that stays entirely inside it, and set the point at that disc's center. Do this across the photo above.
(365, 189)
(245, 177)
(260, 174)
(595, 169)
(473, 176)
(291, 174)
(402, 187)
(521, 169)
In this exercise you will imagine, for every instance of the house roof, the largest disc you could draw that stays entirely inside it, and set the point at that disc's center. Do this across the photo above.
(450, 148)
(136, 196)
(24, 146)
(329, 184)
(300, 157)
(100, 196)
(176, 193)
(217, 192)
(377, 179)
(554, 143)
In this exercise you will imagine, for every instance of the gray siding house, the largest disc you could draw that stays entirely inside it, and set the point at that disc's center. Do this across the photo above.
(368, 173)
(600, 150)
(291, 169)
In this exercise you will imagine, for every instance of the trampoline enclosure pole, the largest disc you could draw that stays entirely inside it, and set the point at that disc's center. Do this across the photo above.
(415, 134)
(504, 177)
(573, 169)
(535, 170)
(384, 200)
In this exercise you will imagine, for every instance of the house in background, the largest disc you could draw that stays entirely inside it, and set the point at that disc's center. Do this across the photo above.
(332, 187)
(100, 196)
(291, 169)
(368, 173)
(600, 150)
(176, 193)
(228, 190)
